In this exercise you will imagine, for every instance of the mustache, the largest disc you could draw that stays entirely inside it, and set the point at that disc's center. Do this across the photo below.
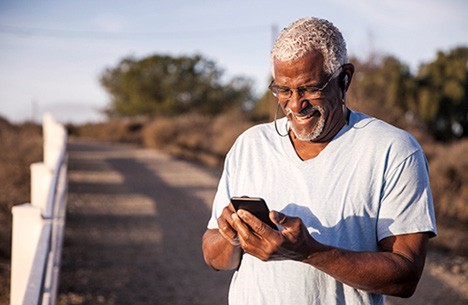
(309, 110)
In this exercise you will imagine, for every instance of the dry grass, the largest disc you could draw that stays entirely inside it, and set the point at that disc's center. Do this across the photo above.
(195, 137)
(448, 168)
(125, 130)
(208, 140)
(20, 146)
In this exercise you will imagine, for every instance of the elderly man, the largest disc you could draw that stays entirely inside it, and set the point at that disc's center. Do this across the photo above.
(349, 193)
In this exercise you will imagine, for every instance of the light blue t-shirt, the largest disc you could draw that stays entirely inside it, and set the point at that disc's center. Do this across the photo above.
(370, 182)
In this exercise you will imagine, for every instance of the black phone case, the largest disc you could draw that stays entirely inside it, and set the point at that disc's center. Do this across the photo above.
(256, 206)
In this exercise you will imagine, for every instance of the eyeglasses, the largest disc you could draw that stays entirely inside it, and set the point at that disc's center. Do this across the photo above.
(282, 92)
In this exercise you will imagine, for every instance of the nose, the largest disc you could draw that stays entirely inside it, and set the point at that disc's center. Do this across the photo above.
(296, 102)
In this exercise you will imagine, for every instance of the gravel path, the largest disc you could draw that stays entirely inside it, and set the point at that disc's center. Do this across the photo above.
(133, 234)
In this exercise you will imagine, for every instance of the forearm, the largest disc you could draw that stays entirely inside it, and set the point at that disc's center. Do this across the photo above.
(218, 252)
(376, 272)
(395, 270)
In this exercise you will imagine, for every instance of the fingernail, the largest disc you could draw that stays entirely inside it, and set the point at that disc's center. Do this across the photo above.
(241, 213)
(278, 216)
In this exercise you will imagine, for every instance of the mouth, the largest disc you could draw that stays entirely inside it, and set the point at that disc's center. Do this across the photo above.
(305, 114)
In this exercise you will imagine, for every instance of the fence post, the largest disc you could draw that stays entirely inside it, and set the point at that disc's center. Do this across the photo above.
(26, 231)
(55, 140)
(41, 186)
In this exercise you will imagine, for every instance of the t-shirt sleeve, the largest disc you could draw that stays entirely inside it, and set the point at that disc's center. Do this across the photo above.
(222, 197)
(221, 200)
(406, 202)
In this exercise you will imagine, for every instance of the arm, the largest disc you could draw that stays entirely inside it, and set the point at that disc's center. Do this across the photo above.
(393, 271)
(219, 253)
(221, 248)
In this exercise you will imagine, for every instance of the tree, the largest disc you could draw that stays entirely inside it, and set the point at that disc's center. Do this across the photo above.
(165, 85)
(382, 87)
(442, 94)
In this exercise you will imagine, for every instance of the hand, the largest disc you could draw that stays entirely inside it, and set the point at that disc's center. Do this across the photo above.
(258, 239)
(225, 225)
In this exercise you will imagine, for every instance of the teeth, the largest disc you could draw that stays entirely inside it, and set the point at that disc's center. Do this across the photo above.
(303, 115)
(302, 118)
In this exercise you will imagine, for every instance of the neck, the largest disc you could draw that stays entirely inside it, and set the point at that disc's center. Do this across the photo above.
(310, 149)
(306, 150)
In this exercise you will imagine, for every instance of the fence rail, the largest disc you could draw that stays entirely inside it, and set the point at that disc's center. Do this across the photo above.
(38, 227)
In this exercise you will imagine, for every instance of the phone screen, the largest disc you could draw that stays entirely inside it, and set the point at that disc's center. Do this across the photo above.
(256, 206)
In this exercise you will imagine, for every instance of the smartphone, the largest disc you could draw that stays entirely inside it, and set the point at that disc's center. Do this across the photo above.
(256, 206)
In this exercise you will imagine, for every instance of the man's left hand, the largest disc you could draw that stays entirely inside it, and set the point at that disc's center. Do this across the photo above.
(258, 239)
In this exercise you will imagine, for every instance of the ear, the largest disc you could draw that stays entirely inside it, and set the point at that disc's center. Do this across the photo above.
(347, 75)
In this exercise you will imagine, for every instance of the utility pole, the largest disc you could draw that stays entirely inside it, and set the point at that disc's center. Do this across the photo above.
(272, 99)
(34, 109)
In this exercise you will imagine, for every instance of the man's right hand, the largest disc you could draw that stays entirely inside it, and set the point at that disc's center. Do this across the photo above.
(226, 227)
(221, 247)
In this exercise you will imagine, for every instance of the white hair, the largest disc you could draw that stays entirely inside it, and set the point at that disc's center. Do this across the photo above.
(311, 34)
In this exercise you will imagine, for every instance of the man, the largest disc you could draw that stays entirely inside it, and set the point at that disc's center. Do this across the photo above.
(349, 193)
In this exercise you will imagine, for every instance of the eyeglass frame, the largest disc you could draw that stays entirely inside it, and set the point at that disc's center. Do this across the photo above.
(303, 89)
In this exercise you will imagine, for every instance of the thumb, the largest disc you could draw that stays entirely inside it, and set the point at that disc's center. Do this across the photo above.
(282, 219)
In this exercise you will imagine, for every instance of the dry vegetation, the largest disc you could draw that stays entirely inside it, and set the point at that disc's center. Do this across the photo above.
(207, 140)
(20, 146)
(195, 137)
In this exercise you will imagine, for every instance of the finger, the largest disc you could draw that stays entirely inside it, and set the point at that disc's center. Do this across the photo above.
(238, 224)
(251, 241)
(227, 212)
(231, 207)
(258, 226)
(227, 236)
(284, 220)
(233, 241)
(227, 231)
(243, 232)
(277, 217)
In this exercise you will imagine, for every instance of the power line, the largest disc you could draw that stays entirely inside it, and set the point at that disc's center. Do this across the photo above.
(72, 34)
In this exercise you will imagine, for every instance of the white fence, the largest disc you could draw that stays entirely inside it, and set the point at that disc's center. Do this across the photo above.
(38, 227)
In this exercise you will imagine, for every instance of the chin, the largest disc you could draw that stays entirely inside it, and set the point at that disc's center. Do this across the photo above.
(309, 135)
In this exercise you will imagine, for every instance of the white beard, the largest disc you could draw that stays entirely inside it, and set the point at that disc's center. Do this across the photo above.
(304, 135)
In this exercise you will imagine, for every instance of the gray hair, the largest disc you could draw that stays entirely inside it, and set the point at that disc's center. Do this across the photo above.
(311, 34)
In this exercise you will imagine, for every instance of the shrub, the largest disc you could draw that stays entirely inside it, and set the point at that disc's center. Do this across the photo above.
(124, 130)
(195, 137)
(448, 169)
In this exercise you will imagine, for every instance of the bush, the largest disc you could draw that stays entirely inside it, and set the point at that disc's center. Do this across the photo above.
(196, 137)
(448, 169)
(124, 130)
(208, 139)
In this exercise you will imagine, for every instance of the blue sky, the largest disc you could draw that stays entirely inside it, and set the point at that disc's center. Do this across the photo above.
(53, 52)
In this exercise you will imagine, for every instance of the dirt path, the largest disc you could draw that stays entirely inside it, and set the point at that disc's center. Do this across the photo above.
(133, 235)
(134, 226)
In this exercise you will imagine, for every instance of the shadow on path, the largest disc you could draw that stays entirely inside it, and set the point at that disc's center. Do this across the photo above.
(134, 237)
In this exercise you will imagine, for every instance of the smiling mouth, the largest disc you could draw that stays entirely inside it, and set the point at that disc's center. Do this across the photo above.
(305, 113)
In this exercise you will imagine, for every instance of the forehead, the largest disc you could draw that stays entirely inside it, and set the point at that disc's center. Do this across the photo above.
(308, 68)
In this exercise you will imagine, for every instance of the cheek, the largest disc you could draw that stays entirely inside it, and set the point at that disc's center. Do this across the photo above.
(284, 105)
(333, 111)
(332, 105)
